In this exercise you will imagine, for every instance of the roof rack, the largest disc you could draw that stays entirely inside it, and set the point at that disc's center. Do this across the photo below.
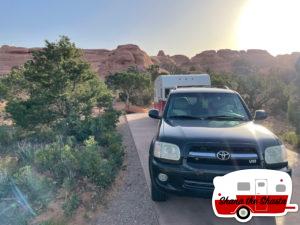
(221, 86)
(214, 86)
(191, 86)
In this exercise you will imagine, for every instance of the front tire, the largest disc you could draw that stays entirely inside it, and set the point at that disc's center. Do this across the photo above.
(157, 195)
(243, 213)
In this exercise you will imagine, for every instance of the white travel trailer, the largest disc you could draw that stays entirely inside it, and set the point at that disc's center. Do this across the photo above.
(253, 192)
(165, 83)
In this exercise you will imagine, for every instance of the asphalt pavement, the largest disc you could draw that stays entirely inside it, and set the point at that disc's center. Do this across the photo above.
(197, 211)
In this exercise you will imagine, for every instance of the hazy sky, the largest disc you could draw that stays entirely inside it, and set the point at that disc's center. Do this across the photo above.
(176, 26)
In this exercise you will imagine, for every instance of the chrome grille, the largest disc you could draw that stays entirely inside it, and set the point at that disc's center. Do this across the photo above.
(239, 156)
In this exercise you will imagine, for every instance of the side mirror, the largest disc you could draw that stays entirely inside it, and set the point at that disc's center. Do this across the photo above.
(260, 115)
(154, 113)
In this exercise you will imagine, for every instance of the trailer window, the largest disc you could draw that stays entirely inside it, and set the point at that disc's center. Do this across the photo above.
(167, 92)
(243, 186)
(280, 188)
(261, 184)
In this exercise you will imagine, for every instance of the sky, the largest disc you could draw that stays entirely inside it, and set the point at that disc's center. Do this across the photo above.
(175, 26)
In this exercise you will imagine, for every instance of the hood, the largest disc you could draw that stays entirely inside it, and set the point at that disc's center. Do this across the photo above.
(184, 131)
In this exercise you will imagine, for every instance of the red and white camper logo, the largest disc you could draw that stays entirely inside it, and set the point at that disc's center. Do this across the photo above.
(254, 192)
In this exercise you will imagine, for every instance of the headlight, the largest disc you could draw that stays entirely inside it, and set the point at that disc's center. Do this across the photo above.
(276, 154)
(165, 150)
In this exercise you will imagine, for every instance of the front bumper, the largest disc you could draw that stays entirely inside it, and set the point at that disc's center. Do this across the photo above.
(186, 180)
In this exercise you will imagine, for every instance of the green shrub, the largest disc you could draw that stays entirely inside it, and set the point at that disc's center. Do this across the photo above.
(99, 164)
(6, 135)
(53, 222)
(16, 140)
(26, 193)
(142, 98)
(114, 151)
(96, 126)
(294, 113)
(94, 166)
(71, 204)
(292, 138)
(60, 160)
(13, 214)
(8, 166)
(69, 184)
(25, 152)
(131, 83)
(37, 188)
(42, 135)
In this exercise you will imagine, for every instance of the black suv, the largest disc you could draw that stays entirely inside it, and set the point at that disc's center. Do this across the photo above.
(208, 132)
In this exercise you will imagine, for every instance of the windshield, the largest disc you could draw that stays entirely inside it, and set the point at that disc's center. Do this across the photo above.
(210, 106)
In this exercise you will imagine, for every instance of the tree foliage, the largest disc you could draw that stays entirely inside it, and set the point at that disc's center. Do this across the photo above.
(153, 70)
(294, 101)
(132, 85)
(53, 89)
(257, 91)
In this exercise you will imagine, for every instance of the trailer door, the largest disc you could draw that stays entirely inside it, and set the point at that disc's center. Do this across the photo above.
(261, 190)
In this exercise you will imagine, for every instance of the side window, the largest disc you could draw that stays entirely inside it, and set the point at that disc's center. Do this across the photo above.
(158, 91)
(280, 188)
(243, 186)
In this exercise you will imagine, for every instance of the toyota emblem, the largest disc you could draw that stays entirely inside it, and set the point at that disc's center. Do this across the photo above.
(223, 155)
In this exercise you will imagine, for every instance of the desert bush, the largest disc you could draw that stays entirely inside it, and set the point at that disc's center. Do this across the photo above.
(36, 187)
(143, 98)
(94, 166)
(154, 72)
(8, 166)
(71, 204)
(25, 151)
(44, 134)
(98, 164)
(7, 134)
(222, 80)
(294, 112)
(132, 85)
(258, 91)
(58, 159)
(53, 222)
(23, 192)
(8, 137)
(96, 126)
(292, 138)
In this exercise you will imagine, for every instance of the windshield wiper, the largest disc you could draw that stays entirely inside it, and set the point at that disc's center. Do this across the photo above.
(226, 117)
(185, 117)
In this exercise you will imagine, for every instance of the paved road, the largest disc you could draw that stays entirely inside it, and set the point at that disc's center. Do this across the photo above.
(196, 211)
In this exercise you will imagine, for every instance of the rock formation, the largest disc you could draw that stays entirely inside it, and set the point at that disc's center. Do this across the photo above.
(222, 61)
